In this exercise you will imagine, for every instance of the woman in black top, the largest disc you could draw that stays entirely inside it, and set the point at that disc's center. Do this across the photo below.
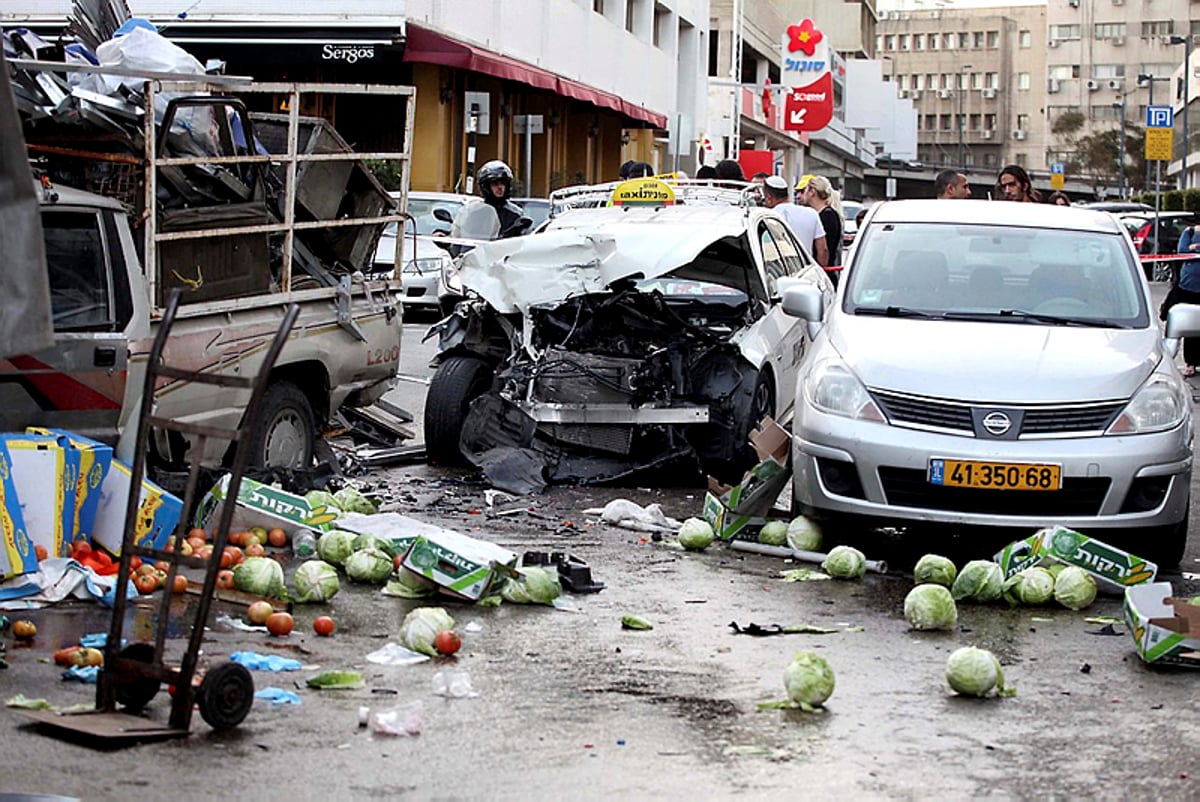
(821, 196)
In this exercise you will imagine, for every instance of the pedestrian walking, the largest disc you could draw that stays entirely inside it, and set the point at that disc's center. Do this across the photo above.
(1014, 185)
(803, 220)
(1186, 291)
(951, 185)
(820, 195)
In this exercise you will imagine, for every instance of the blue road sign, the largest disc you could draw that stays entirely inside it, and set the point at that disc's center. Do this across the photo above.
(1058, 167)
(1160, 117)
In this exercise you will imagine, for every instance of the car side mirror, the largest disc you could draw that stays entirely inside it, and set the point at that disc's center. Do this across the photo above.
(804, 301)
(443, 215)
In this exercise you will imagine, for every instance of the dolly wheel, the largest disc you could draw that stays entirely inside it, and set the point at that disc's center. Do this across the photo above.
(226, 694)
(136, 692)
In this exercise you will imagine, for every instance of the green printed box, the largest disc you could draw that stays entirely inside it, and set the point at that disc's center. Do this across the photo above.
(460, 566)
(1113, 569)
(729, 525)
(1165, 630)
(259, 504)
(16, 551)
(738, 512)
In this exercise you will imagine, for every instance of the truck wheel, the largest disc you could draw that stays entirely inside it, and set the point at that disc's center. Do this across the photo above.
(458, 381)
(286, 436)
(730, 468)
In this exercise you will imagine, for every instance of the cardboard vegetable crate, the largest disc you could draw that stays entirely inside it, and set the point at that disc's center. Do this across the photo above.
(738, 512)
(1165, 630)
(1113, 569)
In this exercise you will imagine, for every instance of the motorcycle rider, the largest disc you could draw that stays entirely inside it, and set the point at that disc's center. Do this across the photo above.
(497, 217)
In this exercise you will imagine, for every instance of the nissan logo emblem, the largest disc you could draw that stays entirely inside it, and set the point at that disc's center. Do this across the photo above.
(997, 423)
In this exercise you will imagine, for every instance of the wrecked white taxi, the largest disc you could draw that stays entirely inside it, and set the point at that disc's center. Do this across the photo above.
(619, 339)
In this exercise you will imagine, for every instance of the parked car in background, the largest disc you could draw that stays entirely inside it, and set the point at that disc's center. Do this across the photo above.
(850, 210)
(1161, 239)
(885, 162)
(995, 365)
(424, 262)
(622, 338)
(1118, 207)
(536, 209)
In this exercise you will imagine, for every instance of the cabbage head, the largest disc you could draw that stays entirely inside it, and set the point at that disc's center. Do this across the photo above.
(695, 534)
(260, 576)
(315, 581)
(369, 565)
(1032, 586)
(421, 626)
(321, 498)
(1074, 588)
(979, 580)
(370, 541)
(974, 672)
(409, 585)
(537, 585)
(930, 606)
(773, 533)
(335, 546)
(936, 569)
(803, 535)
(808, 680)
(845, 562)
(350, 499)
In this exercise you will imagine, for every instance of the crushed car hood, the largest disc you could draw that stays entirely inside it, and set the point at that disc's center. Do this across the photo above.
(547, 268)
(998, 363)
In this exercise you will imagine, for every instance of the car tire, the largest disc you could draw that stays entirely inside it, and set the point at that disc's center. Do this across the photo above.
(458, 381)
(286, 435)
(761, 404)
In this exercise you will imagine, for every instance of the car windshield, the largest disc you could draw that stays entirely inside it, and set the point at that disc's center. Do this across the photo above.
(427, 225)
(1003, 273)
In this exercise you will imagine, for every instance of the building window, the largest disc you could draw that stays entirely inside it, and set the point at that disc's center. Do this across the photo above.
(931, 82)
(1024, 39)
(978, 40)
(949, 41)
(714, 39)
(991, 80)
(1108, 30)
(1157, 70)
(1063, 72)
(918, 41)
(964, 41)
(1194, 28)
(930, 122)
(918, 81)
(1105, 111)
(598, 6)
(989, 160)
(878, 43)
(1023, 122)
(993, 40)
(1021, 159)
(934, 40)
(1108, 72)
(1023, 81)
(945, 122)
(889, 42)
(904, 41)
(662, 22)
(973, 122)
(1158, 28)
(1064, 31)
(989, 122)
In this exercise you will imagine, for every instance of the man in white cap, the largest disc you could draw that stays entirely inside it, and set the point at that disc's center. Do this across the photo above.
(805, 222)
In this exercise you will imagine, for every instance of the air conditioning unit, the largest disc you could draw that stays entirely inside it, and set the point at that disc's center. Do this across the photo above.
(1052, 85)
(1073, 3)
(945, 94)
(1018, 133)
(1093, 85)
(1115, 84)
(1118, 41)
(985, 134)
(1118, 2)
(914, 95)
(1052, 43)
(989, 94)
(903, 94)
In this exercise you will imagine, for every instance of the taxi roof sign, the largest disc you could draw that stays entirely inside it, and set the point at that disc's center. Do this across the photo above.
(643, 192)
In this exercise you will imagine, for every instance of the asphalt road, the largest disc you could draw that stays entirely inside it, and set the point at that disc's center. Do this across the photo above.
(570, 705)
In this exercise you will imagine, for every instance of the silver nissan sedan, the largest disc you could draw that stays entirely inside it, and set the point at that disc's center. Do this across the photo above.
(995, 364)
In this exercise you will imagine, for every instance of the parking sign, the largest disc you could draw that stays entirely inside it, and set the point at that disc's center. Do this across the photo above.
(1160, 116)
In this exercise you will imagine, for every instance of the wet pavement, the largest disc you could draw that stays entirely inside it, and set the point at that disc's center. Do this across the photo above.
(571, 705)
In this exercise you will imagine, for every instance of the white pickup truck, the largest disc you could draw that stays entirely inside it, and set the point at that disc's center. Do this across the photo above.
(238, 265)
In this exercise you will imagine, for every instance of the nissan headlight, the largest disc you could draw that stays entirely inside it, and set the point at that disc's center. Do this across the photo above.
(831, 387)
(422, 267)
(1160, 404)
(451, 279)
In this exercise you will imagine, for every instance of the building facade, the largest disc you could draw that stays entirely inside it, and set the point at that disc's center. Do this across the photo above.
(977, 80)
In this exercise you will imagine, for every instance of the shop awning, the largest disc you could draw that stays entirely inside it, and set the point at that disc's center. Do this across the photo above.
(428, 47)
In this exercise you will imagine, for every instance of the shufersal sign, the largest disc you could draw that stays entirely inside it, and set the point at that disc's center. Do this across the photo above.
(808, 105)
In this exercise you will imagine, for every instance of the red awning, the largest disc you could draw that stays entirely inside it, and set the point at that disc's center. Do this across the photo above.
(427, 47)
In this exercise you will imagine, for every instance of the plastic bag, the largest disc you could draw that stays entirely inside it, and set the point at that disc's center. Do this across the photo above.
(404, 720)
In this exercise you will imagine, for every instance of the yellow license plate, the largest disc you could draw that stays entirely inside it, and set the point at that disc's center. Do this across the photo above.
(995, 475)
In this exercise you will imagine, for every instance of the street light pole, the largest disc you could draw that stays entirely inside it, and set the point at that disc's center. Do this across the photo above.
(1121, 148)
(1186, 41)
(962, 119)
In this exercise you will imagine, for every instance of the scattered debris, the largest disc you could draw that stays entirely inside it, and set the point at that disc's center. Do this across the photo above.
(761, 631)
(876, 566)
(635, 622)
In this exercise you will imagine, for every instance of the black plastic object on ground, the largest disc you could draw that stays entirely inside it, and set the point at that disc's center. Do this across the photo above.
(574, 574)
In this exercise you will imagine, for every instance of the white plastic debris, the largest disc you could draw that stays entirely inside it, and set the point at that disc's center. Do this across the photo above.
(405, 720)
(393, 654)
(629, 515)
(453, 684)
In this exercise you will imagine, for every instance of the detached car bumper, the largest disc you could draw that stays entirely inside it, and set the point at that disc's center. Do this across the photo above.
(870, 469)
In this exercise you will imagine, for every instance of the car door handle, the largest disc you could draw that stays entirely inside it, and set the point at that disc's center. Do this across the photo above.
(104, 357)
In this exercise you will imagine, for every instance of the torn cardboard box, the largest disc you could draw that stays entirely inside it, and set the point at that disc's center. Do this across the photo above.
(1165, 630)
(95, 459)
(16, 551)
(739, 512)
(1113, 569)
(399, 530)
(44, 473)
(461, 566)
(158, 511)
(259, 504)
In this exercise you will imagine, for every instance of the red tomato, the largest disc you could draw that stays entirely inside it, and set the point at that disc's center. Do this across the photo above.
(324, 626)
(197, 533)
(256, 549)
(40, 552)
(225, 579)
(280, 624)
(135, 562)
(181, 584)
(277, 537)
(145, 583)
(81, 549)
(447, 642)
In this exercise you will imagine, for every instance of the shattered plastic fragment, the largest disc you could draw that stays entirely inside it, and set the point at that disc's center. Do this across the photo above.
(453, 684)
(393, 654)
(405, 720)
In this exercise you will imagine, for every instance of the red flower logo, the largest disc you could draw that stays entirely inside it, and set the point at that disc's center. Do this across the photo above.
(803, 37)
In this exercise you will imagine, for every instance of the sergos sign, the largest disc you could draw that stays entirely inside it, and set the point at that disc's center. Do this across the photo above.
(808, 104)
